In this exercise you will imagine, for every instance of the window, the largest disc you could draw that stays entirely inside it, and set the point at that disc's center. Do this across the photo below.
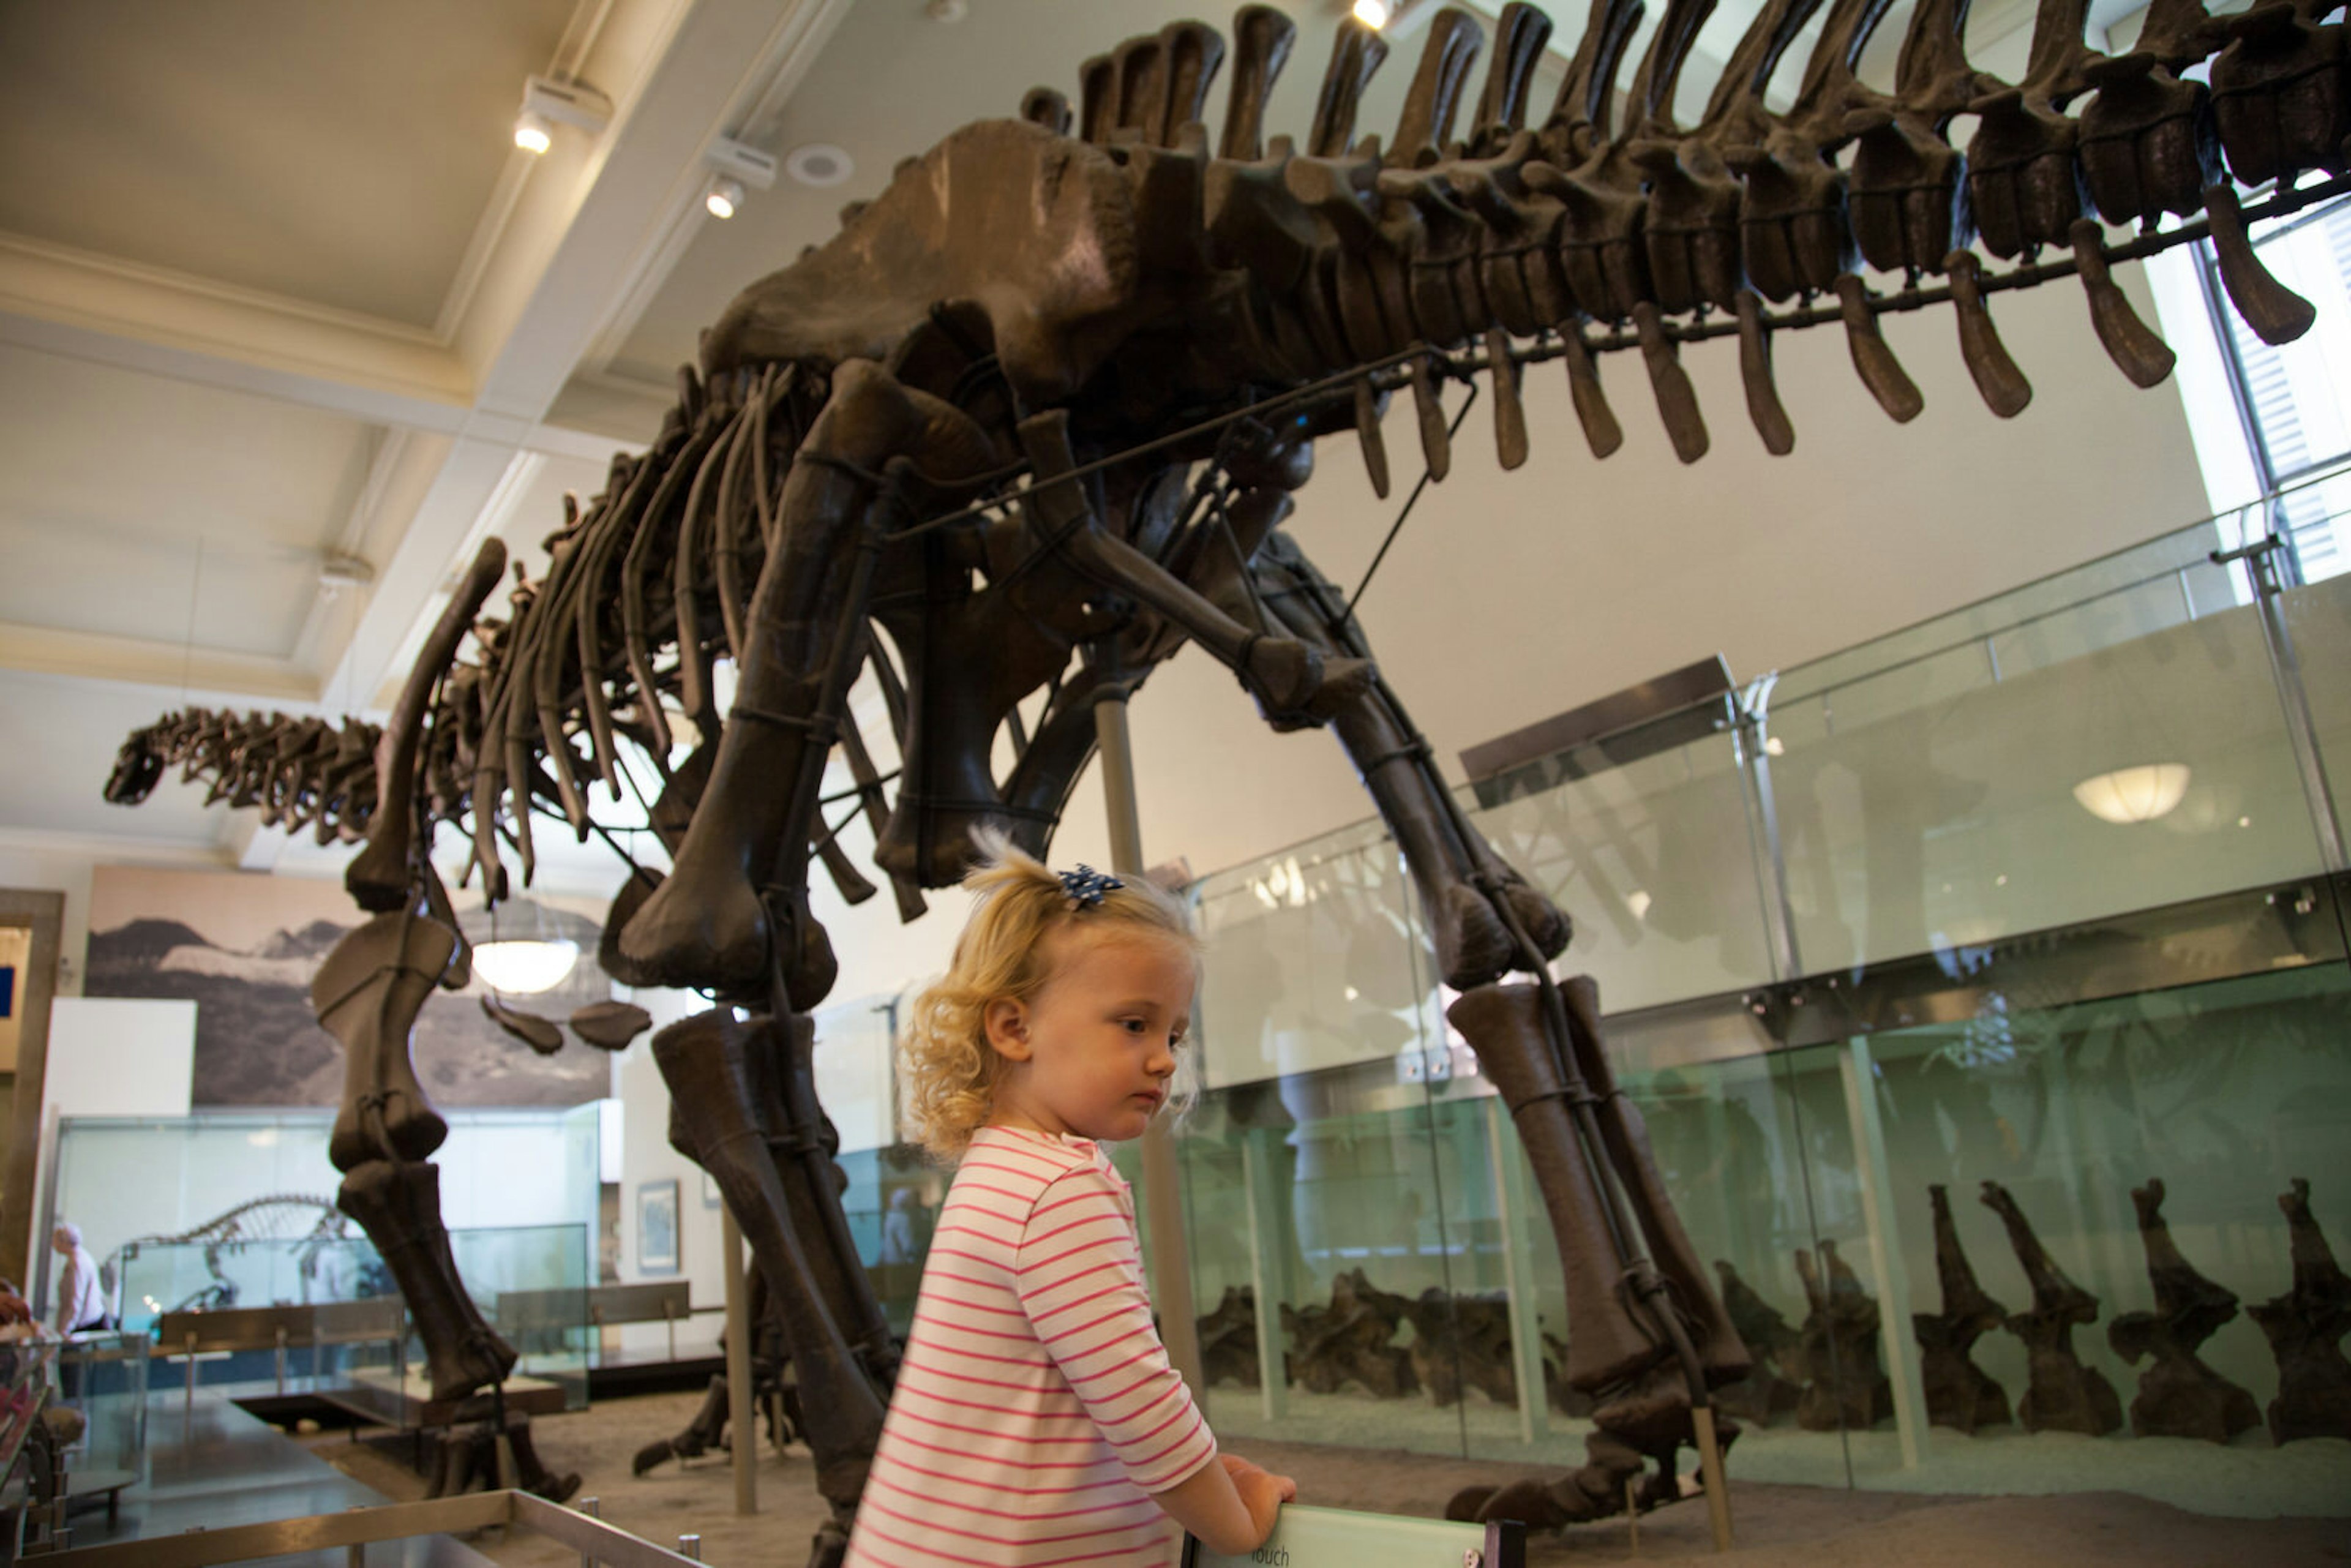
(2294, 401)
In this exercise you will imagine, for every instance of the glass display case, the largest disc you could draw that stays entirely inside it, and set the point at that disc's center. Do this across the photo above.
(156, 1278)
(530, 1282)
(262, 1175)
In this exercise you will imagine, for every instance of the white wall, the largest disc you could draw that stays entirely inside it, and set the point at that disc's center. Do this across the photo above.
(647, 1157)
(115, 1056)
(65, 871)
(109, 1056)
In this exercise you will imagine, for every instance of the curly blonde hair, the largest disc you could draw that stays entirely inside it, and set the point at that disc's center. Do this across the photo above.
(947, 1071)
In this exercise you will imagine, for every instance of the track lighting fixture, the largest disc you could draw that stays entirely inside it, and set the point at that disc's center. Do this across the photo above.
(737, 167)
(547, 102)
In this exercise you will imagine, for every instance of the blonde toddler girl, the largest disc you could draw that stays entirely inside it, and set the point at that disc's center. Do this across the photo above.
(1036, 1419)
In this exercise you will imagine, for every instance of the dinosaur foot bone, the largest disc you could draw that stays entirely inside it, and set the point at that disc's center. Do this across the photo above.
(1614, 1465)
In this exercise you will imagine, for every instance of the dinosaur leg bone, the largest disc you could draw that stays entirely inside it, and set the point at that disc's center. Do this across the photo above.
(708, 923)
(1612, 1340)
(714, 1069)
(1627, 1142)
(1288, 677)
(367, 995)
(1444, 854)
(397, 1204)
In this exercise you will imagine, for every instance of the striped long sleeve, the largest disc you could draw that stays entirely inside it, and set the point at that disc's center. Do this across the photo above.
(1080, 1282)
(1036, 1409)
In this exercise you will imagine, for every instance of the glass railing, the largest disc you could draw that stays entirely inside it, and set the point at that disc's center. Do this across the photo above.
(2110, 740)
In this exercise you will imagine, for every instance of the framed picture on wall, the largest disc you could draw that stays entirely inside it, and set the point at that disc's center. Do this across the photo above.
(657, 1227)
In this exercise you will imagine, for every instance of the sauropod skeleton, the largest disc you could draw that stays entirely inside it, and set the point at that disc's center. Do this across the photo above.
(1033, 420)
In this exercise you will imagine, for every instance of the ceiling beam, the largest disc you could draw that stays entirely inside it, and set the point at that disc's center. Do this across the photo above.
(49, 651)
(95, 308)
(193, 328)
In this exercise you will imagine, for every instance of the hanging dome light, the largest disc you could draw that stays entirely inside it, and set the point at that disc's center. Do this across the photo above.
(526, 953)
(2134, 794)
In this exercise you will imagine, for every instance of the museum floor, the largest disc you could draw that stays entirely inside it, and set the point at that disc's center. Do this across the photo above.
(1779, 1526)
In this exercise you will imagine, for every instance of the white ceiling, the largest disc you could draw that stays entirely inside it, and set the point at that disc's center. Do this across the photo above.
(274, 285)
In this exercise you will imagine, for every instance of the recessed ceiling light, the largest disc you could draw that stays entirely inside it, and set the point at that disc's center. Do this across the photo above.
(819, 163)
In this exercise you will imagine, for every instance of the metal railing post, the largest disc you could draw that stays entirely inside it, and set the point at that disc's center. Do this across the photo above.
(2261, 562)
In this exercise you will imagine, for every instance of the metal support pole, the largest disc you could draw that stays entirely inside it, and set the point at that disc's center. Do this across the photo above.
(1266, 1275)
(1710, 1471)
(594, 1507)
(1751, 712)
(1163, 1192)
(742, 1418)
(1885, 1250)
(690, 1546)
(2285, 671)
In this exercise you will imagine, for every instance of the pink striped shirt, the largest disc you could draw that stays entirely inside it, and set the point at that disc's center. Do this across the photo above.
(1035, 1410)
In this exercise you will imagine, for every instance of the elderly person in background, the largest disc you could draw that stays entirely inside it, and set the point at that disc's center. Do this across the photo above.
(81, 1303)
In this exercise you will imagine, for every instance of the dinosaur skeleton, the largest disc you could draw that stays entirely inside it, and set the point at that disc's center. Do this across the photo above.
(1035, 415)
(311, 1223)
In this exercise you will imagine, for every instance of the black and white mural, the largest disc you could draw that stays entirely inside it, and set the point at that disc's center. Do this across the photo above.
(244, 949)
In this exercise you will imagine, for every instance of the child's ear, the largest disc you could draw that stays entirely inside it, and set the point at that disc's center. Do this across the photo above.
(1005, 1022)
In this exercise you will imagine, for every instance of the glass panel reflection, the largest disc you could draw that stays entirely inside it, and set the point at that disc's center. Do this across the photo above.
(1935, 804)
(1654, 861)
(2318, 619)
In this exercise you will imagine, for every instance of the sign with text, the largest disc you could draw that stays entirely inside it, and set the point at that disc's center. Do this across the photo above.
(1335, 1538)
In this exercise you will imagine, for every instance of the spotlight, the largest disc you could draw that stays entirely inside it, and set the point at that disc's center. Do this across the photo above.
(545, 101)
(1372, 14)
(737, 169)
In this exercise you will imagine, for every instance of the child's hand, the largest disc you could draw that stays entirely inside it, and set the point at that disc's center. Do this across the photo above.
(1261, 1492)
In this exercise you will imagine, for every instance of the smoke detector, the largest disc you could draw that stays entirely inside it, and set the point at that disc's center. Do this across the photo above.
(820, 163)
